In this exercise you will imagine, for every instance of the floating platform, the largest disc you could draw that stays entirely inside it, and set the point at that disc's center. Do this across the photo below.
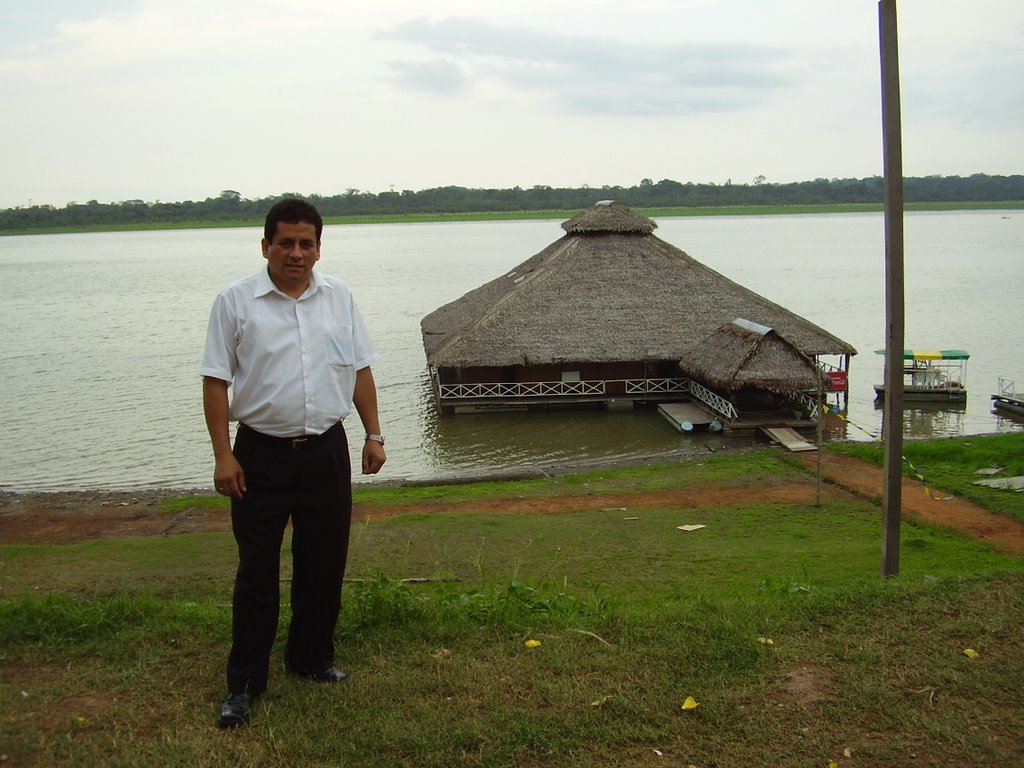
(687, 417)
(1014, 405)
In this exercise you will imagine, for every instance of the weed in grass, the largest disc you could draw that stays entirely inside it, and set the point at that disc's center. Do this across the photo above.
(377, 600)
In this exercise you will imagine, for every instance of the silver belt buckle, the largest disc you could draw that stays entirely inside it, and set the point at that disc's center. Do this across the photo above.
(297, 442)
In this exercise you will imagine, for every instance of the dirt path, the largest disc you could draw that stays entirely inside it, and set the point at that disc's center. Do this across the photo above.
(80, 516)
(867, 481)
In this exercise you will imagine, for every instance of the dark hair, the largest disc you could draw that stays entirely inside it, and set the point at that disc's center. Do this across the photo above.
(292, 210)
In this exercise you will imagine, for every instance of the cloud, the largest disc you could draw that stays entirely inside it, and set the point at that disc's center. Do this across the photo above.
(440, 76)
(600, 75)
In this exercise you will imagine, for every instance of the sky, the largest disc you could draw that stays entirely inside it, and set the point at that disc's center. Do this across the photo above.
(172, 100)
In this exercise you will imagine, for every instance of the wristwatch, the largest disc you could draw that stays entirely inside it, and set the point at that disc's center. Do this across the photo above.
(376, 438)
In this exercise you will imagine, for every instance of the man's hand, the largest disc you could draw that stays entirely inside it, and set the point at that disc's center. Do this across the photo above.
(373, 457)
(228, 477)
(364, 397)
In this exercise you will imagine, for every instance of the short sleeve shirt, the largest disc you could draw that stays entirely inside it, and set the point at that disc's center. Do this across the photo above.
(291, 363)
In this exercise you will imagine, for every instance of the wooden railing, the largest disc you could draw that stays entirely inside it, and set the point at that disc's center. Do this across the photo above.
(713, 400)
(656, 386)
(530, 389)
(807, 402)
(521, 389)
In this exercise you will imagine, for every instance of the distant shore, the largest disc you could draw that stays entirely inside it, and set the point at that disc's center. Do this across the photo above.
(427, 218)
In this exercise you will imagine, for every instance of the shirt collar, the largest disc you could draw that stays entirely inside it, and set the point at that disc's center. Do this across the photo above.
(265, 285)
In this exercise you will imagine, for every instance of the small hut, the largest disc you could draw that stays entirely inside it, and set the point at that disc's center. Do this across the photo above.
(761, 372)
(603, 316)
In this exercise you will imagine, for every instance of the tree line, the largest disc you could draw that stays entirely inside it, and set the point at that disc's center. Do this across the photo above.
(231, 206)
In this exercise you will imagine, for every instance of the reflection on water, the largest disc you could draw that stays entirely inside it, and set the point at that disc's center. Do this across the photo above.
(924, 419)
(1007, 421)
(484, 442)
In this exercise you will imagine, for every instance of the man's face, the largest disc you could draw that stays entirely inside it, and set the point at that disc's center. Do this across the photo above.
(291, 256)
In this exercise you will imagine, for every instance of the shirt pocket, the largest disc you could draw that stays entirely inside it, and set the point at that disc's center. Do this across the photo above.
(339, 352)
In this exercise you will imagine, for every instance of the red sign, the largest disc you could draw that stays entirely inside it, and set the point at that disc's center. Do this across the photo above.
(837, 381)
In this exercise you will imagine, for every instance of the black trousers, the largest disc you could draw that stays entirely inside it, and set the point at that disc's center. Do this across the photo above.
(312, 486)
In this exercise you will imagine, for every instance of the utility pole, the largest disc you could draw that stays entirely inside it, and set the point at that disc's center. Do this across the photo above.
(892, 415)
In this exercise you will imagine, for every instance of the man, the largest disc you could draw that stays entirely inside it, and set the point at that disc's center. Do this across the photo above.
(294, 350)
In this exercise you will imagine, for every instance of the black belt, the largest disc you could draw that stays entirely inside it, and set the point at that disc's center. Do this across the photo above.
(292, 443)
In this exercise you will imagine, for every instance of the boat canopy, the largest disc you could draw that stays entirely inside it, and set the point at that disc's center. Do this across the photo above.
(931, 354)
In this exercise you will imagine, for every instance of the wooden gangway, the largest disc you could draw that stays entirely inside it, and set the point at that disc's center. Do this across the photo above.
(787, 438)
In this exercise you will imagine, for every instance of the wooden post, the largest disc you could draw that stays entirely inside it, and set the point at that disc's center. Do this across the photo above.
(892, 415)
(821, 423)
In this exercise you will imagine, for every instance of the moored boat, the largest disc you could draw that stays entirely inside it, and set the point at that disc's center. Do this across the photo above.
(932, 374)
(1007, 399)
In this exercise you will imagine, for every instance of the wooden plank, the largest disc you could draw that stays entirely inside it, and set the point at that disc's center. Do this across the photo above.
(787, 438)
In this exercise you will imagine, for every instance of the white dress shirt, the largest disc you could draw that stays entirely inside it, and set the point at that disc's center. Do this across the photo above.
(291, 362)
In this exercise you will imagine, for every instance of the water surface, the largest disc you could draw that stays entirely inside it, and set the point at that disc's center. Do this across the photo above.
(103, 335)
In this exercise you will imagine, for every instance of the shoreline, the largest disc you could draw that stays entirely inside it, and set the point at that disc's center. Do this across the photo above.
(70, 517)
(534, 472)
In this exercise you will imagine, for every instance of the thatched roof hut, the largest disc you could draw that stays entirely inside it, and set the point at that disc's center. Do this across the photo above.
(743, 355)
(608, 291)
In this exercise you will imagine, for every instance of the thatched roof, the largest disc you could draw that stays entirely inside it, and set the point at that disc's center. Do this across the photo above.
(741, 355)
(609, 216)
(607, 291)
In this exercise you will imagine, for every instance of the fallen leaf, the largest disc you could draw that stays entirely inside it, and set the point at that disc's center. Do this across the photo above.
(970, 653)
(690, 704)
(532, 643)
(600, 702)
(766, 641)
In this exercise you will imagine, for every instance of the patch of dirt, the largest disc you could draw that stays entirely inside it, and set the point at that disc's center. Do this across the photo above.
(807, 684)
(80, 516)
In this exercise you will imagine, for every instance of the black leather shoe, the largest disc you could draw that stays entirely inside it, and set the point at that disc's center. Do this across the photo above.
(329, 675)
(235, 710)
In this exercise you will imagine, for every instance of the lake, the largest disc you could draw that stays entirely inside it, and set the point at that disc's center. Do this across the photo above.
(103, 334)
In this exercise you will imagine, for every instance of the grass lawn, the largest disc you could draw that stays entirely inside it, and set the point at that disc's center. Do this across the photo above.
(772, 617)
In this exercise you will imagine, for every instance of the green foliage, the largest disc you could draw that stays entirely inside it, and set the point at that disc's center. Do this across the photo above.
(378, 601)
(59, 622)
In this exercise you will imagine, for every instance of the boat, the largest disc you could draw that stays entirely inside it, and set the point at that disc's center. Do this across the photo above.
(1006, 398)
(932, 375)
